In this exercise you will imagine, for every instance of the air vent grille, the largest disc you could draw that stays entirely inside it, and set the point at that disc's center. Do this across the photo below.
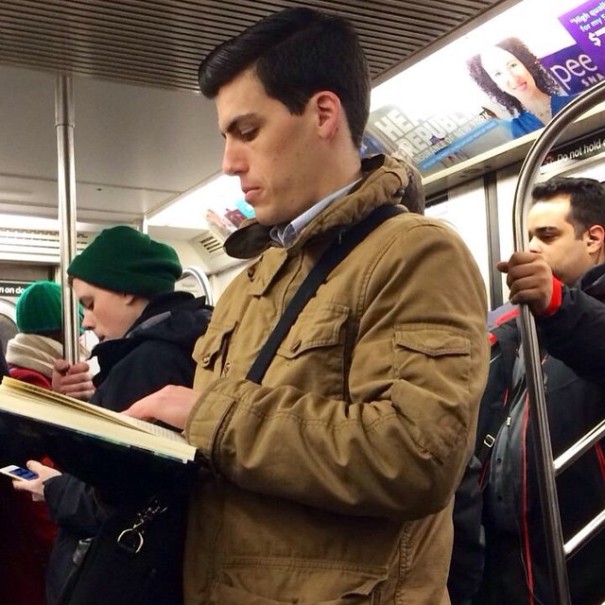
(15, 243)
(211, 245)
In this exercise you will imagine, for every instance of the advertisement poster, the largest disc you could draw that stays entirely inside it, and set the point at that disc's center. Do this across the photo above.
(586, 24)
(497, 84)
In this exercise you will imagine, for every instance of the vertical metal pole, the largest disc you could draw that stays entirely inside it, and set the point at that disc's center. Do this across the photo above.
(538, 417)
(493, 238)
(64, 123)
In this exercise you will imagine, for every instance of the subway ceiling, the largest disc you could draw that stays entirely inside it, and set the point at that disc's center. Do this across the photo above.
(162, 43)
(143, 134)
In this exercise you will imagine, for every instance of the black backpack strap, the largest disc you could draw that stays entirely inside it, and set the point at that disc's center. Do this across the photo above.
(336, 252)
(507, 343)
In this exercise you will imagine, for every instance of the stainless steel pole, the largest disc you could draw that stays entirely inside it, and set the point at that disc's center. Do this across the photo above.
(64, 123)
(535, 383)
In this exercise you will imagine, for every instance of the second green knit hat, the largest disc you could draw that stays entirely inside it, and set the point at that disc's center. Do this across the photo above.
(39, 309)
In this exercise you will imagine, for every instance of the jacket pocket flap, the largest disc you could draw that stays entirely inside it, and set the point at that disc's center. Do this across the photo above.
(433, 342)
(316, 327)
(210, 344)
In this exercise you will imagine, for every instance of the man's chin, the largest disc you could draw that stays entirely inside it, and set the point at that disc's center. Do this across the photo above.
(264, 218)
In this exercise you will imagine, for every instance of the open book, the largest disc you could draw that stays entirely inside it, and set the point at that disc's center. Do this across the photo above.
(81, 436)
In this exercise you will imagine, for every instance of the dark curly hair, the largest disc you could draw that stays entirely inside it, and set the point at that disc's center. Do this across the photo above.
(544, 80)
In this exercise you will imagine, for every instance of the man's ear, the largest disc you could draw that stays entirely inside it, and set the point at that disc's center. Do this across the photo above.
(329, 113)
(596, 239)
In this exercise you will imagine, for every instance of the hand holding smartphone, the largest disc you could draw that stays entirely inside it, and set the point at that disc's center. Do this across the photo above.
(18, 472)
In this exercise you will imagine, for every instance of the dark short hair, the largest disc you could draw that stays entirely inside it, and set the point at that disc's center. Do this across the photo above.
(296, 53)
(544, 80)
(586, 199)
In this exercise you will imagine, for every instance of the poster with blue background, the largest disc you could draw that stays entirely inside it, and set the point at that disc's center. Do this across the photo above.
(499, 83)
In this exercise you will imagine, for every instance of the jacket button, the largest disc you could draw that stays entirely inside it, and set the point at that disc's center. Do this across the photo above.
(250, 272)
(206, 360)
(227, 367)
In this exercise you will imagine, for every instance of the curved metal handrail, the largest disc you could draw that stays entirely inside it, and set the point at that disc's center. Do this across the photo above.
(531, 349)
(202, 280)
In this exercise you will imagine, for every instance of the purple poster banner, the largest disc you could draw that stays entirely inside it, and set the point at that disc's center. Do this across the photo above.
(574, 69)
(586, 24)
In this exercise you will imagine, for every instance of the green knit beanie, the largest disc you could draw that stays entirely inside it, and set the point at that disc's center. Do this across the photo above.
(124, 260)
(39, 309)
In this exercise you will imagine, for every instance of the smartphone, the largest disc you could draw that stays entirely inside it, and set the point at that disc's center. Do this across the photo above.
(18, 472)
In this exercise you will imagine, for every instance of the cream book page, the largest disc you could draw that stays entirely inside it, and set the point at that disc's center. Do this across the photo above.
(25, 399)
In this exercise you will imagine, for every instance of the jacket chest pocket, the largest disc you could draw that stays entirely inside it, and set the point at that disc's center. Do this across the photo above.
(312, 356)
(211, 350)
(422, 351)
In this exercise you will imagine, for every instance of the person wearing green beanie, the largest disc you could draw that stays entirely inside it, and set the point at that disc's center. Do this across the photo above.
(30, 356)
(125, 281)
(115, 278)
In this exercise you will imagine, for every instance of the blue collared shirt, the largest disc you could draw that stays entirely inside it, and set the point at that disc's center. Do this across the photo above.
(284, 235)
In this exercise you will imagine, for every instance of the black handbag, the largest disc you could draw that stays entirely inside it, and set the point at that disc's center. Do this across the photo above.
(136, 558)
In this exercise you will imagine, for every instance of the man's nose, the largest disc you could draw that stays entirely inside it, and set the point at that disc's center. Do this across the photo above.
(233, 159)
(534, 245)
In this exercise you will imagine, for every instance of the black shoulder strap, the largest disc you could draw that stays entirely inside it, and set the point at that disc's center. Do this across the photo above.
(508, 344)
(335, 253)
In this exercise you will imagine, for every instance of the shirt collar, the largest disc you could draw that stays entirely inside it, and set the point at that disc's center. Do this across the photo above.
(284, 235)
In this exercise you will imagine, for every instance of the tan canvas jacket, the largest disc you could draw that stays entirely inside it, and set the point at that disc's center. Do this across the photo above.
(333, 480)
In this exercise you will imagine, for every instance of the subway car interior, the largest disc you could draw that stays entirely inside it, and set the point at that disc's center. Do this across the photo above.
(105, 92)
(147, 151)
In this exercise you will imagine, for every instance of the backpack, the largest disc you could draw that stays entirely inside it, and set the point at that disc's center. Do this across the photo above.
(468, 552)
(501, 389)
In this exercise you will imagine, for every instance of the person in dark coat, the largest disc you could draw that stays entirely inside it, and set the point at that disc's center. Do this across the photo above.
(27, 531)
(26, 537)
(562, 280)
(125, 282)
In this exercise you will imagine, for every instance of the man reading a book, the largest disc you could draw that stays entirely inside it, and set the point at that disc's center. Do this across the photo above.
(125, 282)
(332, 480)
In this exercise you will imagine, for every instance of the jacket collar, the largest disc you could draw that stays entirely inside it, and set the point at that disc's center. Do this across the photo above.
(593, 282)
(385, 181)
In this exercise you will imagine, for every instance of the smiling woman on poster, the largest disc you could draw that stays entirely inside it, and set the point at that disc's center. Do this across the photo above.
(513, 76)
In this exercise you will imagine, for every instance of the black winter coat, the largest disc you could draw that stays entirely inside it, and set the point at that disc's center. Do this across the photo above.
(574, 370)
(155, 352)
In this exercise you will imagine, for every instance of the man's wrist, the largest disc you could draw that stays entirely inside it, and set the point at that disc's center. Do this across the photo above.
(556, 298)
